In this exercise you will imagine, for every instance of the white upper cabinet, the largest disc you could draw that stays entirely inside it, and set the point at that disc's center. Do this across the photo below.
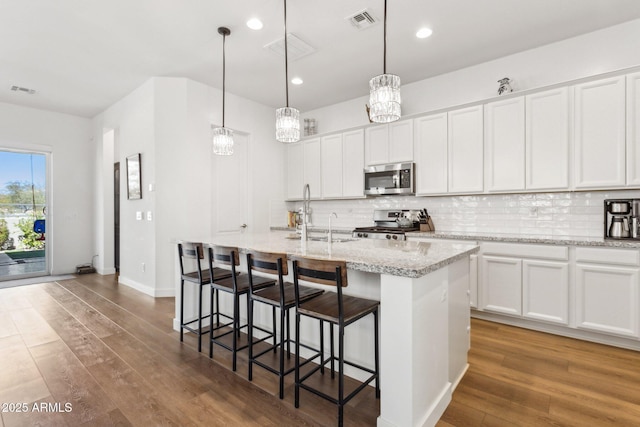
(295, 171)
(389, 143)
(599, 129)
(633, 129)
(312, 171)
(547, 140)
(401, 141)
(430, 149)
(331, 165)
(353, 163)
(465, 150)
(504, 145)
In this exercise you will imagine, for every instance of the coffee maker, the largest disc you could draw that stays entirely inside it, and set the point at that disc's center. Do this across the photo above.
(621, 219)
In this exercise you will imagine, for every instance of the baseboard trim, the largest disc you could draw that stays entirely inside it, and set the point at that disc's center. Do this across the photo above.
(156, 293)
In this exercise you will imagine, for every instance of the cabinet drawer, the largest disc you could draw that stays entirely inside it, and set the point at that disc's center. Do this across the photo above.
(609, 256)
(526, 251)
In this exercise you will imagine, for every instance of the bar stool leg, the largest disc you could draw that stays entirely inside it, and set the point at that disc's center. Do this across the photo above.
(333, 370)
(287, 320)
(236, 313)
(200, 320)
(283, 313)
(321, 347)
(213, 293)
(181, 310)
(297, 369)
(376, 355)
(341, 374)
(250, 334)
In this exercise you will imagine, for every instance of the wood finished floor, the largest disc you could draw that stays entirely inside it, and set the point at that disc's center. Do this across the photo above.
(111, 352)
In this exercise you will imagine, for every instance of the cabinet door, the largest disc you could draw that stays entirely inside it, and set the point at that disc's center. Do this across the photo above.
(376, 146)
(430, 151)
(547, 140)
(331, 165)
(312, 172)
(599, 128)
(465, 150)
(502, 285)
(545, 287)
(295, 171)
(504, 145)
(353, 163)
(401, 141)
(633, 129)
(607, 299)
(473, 281)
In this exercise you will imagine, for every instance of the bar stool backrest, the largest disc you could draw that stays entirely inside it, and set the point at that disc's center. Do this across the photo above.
(227, 255)
(270, 263)
(322, 271)
(190, 250)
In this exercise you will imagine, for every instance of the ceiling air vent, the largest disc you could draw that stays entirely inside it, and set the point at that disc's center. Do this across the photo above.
(363, 19)
(23, 89)
(296, 48)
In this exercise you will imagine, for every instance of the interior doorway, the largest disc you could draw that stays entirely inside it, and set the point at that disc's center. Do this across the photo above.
(23, 215)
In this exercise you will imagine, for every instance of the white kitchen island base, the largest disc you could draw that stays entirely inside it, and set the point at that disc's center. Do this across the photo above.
(424, 343)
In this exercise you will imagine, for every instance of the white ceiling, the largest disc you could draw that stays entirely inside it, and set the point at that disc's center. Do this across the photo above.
(81, 56)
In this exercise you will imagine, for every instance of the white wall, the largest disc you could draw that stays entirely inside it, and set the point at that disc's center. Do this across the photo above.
(169, 120)
(70, 208)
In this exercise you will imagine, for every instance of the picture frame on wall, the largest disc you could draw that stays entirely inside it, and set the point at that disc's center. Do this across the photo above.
(134, 185)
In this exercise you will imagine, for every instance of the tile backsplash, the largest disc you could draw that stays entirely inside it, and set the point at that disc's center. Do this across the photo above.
(536, 214)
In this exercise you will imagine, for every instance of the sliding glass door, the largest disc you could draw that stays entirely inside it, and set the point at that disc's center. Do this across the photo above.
(23, 210)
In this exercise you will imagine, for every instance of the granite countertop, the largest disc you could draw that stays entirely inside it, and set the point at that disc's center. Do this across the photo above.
(406, 259)
(519, 238)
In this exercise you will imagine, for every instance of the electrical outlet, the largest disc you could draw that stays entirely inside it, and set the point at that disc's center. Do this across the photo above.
(138, 216)
(143, 267)
(149, 216)
(533, 212)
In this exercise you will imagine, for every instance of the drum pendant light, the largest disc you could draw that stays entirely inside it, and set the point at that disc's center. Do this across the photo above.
(384, 95)
(223, 137)
(287, 118)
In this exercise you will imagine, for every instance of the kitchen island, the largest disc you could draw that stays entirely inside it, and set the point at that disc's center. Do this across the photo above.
(424, 315)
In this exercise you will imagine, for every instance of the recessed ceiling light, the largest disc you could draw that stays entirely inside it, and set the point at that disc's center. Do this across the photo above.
(254, 24)
(423, 33)
(296, 81)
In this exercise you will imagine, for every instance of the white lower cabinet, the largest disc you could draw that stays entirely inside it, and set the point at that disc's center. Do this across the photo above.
(502, 284)
(545, 291)
(530, 281)
(607, 297)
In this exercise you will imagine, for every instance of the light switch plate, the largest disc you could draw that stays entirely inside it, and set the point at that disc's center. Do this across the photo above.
(139, 216)
(149, 216)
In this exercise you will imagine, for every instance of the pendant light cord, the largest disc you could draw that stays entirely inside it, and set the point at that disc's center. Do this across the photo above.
(224, 72)
(286, 58)
(384, 61)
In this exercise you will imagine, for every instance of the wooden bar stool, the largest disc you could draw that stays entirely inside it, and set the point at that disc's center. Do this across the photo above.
(337, 309)
(236, 286)
(281, 296)
(201, 277)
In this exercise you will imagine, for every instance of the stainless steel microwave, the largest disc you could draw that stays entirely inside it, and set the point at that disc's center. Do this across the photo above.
(393, 178)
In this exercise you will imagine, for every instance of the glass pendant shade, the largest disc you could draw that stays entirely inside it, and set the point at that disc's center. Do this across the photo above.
(287, 124)
(384, 98)
(222, 141)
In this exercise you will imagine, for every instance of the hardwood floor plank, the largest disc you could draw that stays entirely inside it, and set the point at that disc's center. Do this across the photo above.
(113, 418)
(37, 416)
(32, 327)
(70, 382)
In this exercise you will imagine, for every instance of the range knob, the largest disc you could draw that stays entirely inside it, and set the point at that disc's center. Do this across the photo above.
(359, 234)
(365, 234)
(388, 236)
(395, 237)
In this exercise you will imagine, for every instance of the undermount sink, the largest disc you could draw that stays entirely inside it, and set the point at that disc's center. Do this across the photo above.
(322, 238)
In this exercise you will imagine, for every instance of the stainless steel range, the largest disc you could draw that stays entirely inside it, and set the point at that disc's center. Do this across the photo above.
(389, 224)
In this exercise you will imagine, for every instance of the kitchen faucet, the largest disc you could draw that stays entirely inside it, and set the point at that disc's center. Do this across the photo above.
(330, 235)
(306, 211)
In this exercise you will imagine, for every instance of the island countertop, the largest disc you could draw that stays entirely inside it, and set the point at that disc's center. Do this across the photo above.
(405, 259)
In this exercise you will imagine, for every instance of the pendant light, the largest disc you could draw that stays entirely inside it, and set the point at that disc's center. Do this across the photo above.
(287, 118)
(223, 137)
(384, 95)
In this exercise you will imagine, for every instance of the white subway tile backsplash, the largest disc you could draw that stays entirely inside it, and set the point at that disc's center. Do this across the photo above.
(534, 214)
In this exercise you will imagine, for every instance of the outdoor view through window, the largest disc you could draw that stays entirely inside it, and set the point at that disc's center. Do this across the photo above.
(22, 214)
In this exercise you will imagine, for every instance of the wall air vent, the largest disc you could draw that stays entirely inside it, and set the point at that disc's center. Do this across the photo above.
(363, 19)
(296, 48)
(23, 89)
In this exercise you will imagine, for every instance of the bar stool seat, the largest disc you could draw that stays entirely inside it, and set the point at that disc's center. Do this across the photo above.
(339, 310)
(194, 252)
(235, 285)
(281, 296)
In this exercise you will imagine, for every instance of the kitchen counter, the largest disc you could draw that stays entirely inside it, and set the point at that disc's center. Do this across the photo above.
(424, 314)
(406, 259)
(519, 238)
